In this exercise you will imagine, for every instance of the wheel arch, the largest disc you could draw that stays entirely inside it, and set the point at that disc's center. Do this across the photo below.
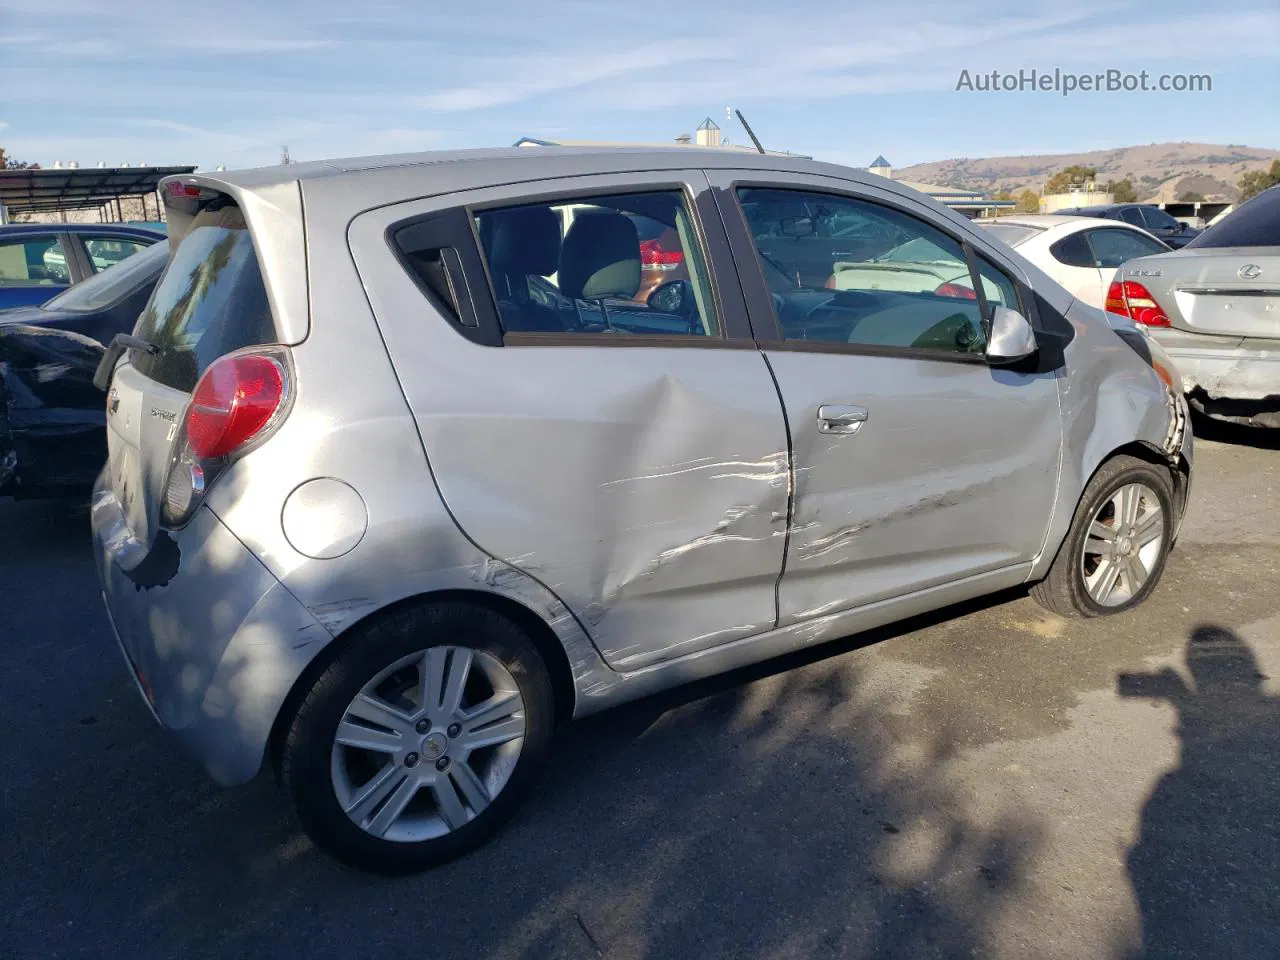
(534, 627)
(1180, 475)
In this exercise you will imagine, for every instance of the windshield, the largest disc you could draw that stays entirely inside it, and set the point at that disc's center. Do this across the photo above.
(1256, 223)
(1010, 233)
(115, 283)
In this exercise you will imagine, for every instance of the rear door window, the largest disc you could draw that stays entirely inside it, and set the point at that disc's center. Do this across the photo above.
(1134, 216)
(616, 264)
(104, 289)
(210, 301)
(33, 261)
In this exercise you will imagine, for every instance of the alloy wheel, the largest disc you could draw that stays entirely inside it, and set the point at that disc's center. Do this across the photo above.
(428, 744)
(1123, 545)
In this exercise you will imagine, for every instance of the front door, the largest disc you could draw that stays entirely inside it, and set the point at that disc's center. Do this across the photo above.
(915, 463)
(626, 448)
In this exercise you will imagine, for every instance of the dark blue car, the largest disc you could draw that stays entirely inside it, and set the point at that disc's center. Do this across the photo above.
(1144, 216)
(39, 260)
(52, 417)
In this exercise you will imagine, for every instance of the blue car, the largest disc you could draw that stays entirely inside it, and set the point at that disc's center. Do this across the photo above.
(39, 260)
(52, 417)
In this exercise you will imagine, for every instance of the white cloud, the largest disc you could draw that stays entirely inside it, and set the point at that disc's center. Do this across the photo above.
(528, 77)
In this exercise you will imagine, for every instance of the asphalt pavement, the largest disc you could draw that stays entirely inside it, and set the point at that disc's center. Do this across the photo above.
(989, 781)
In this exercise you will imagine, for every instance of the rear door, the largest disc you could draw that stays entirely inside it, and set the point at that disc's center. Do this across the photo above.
(915, 463)
(209, 301)
(631, 458)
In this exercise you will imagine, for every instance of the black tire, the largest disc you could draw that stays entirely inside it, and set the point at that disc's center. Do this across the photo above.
(1063, 591)
(307, 747)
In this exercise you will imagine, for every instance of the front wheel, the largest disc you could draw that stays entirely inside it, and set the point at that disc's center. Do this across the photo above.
(419, 741)
(1115, 551)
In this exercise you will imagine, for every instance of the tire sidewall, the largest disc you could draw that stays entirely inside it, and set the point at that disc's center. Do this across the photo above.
(308, 776)
(1102, 488)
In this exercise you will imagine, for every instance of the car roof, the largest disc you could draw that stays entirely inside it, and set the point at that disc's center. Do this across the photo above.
(356, 183)
(1109, 207)
(1059, 221)
(10, 229)
(1055, 226)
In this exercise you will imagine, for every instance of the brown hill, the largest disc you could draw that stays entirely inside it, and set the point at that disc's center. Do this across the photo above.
(1156, 169)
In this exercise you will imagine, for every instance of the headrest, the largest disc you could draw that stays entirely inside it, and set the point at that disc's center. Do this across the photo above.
(524, 240)
(600, 257)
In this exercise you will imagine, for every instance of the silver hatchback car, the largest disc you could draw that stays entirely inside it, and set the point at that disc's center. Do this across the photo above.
(402, 473)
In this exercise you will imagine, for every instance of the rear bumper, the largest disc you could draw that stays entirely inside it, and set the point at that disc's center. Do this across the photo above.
(1235, 373)
(216, 648)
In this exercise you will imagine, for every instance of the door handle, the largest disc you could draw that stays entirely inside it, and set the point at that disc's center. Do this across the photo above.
(838, 418)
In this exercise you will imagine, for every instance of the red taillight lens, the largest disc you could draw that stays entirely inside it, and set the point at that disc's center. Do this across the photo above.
(955, 290)
(234, 400)
(652, 255)
(1131, 299)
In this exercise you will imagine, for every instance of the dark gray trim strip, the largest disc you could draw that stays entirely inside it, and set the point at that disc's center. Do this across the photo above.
(872, 350)
(662, 341)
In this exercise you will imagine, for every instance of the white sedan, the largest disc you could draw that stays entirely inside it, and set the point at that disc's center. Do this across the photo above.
(1081, 253)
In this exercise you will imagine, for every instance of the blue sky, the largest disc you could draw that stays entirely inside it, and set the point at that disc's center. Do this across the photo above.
(229, 82)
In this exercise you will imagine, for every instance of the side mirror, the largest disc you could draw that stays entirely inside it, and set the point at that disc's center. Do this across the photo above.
(1012, 338)
(674, 296)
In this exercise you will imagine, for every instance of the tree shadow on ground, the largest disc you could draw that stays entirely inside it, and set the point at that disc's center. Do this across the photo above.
(757, 814)
(1204, 868)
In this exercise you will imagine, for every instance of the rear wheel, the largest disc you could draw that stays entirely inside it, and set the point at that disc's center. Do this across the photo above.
(1115, 551)
(420, 740)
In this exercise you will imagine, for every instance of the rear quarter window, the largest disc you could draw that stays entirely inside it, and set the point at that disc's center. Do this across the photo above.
(209, 302)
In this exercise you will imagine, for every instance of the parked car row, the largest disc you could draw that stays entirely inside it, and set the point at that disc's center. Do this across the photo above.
(39, 260)
(1214, 305)
(419, 459)
(1144, 216)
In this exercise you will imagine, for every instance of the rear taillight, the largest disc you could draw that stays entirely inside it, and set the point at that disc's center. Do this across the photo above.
(234, 400)
(238, 402)
(1131, 299)
(955, 290)
(654, 257)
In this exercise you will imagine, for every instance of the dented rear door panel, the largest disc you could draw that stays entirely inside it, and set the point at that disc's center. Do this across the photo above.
(646, 486)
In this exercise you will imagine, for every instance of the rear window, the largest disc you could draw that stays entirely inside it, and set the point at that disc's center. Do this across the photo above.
(1256, 223)
(1011, 233)
(105, 288)
(210, 301)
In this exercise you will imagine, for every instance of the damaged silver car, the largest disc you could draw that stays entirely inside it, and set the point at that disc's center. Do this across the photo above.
(404, 471)
(1215, 307)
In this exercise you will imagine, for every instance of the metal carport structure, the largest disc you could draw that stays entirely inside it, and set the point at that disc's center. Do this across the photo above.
(62, 189)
